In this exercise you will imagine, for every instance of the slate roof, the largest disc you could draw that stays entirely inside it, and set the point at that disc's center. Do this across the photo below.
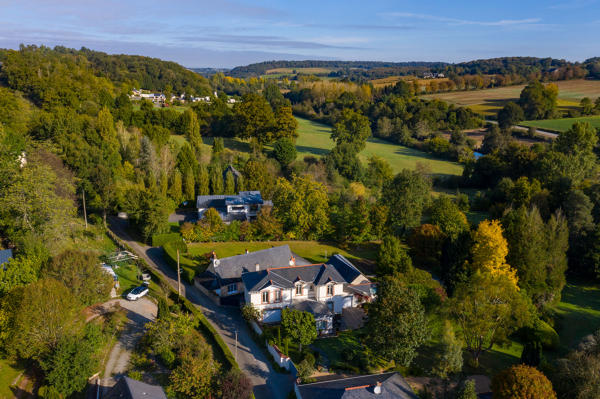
(234, 266)
(286, 277)
(367, 288)
(344, 267)
(127, 388)
(318, 309)
(220, 202)
(361, 387)
(5, 255)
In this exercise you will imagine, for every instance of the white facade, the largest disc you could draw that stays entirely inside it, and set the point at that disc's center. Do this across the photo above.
(273, 298)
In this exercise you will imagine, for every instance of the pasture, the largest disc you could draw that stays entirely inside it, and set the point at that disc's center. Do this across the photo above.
(392, 80)
(314, 139)
(489, 101)
(563, 124)
(293, 71)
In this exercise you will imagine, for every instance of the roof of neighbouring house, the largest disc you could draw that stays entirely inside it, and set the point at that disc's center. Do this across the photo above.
(5, 255)
(393, 386)
(127, 388)
(220, 202)
(288, 276)
(344, 267)
(235, 266)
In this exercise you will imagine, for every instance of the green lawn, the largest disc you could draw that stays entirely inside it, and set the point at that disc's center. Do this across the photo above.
(8, 373)
(562, 125)
(127, 274)
(578, 314)
(314, 139)
(317, 252)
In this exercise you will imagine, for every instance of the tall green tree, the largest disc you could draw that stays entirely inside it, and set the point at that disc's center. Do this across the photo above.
(397, 326)
(510, 115)
(351, 128)
(45, 314)
(446, 214)
(299, 326)
(538, 252)
(189, 185)
(79, 271)
(488, 308)
(407, 195)
(302, 206)
(203, 181)
(392, 257)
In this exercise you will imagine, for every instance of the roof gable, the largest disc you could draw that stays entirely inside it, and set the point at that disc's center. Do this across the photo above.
(235, 266)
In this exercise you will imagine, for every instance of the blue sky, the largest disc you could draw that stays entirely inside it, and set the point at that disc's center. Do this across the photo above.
(226, 33)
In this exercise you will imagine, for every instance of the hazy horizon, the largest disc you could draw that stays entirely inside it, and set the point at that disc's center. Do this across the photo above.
(200, 34)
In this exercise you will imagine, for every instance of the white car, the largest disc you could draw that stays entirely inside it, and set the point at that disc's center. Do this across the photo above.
(137, 293)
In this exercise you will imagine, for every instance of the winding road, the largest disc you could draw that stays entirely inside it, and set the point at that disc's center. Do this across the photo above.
(268, 384)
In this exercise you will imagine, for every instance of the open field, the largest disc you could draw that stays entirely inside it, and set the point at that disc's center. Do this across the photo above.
(293, 71)
(314, 139)
(489, 101)
(392, 80)
(561, 125)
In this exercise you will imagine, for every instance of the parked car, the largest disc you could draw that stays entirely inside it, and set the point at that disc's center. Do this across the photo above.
(137, 293)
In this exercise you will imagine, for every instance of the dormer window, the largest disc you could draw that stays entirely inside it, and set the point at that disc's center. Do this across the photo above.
(265, 297)
(299, 289)
(329, 289)
(277, 296)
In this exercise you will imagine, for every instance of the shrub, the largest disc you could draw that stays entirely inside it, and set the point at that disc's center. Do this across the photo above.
(135, 375)
(522, 382)
(250, 313)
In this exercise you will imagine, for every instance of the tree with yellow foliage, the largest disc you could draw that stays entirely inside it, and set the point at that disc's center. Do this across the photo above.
(490, 249)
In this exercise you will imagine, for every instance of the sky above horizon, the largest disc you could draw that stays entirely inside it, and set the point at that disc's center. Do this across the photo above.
(227, 33)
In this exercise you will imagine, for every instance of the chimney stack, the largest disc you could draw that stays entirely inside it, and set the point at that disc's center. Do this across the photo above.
(214, 255)
(292, 261)
(257, 267)
(247, 251)
(377, 388)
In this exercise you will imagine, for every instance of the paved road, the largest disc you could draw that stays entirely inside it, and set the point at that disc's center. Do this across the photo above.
(139, 313)
(268, 384)
(544, 133)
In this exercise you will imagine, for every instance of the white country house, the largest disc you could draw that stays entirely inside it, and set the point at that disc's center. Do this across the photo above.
(323, 289)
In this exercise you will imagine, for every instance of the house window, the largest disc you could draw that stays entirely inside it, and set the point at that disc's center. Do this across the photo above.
(265, 297)
(330, 290)
(278, 296)
(321, 325)
(232, 288)
(298, 289)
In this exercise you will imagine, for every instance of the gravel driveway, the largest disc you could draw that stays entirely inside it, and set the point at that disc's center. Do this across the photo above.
(139, 313)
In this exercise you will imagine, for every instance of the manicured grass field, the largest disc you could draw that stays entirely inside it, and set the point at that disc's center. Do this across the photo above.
(579, 314)
(564, 124)
(314, 139)
(313, 251)
(8, 373)
(489, 101)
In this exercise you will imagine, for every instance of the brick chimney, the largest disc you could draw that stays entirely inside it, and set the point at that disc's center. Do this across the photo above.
(292, 261)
